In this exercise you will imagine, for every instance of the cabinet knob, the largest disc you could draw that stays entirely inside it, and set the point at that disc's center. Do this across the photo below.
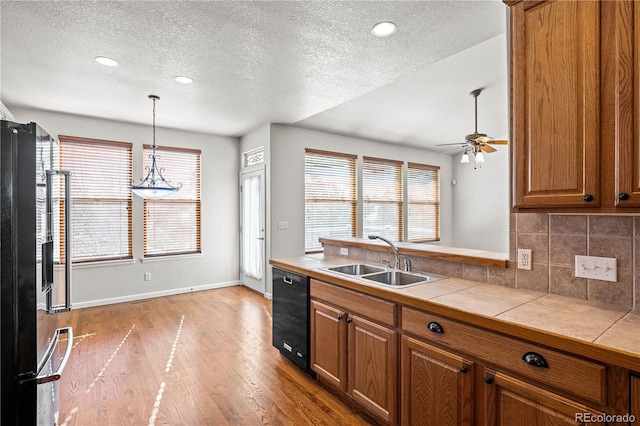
(339, 317)
(464, 369)
(623, 196)
(349, 320)
(588, 198)
(435, 327)
(488, 380)
(535, 359)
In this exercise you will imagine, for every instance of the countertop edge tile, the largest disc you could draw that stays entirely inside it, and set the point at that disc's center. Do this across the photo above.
(604, 346)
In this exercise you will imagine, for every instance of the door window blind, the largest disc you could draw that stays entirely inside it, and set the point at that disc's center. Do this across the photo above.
(101, 200)
(423, 199)
(330, 196)
(382, 198)
(172, 224)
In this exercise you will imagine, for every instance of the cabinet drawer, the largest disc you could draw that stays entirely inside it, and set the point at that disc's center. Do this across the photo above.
(572, 374)
(379, 310)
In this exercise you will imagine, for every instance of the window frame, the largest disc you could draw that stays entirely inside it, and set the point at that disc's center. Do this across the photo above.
(352, 169)
(174, 201)
(434, 202)
(402, 200)
(66, 140)
(399, 193)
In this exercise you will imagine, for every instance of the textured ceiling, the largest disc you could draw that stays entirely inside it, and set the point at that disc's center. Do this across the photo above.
(252, 62)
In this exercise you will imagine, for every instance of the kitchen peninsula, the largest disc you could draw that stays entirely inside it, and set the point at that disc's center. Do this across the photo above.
(494, 350)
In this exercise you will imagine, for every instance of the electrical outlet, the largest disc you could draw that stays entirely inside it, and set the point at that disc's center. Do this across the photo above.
(597, 268)
(344, 251)
(283, 224)
(147, 276)
(524, 259)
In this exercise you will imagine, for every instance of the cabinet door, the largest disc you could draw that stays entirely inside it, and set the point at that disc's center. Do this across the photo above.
(511, 402)
(635, 397)
(328, 344)
(372, 367)
(555, 69)
(436, 386)
(621, 101)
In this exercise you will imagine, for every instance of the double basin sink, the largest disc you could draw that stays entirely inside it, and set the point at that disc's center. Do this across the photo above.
(391, 278)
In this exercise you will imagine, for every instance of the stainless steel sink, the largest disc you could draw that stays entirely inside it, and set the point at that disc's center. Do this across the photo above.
(399, 278)
(357, 269)
(390, 278)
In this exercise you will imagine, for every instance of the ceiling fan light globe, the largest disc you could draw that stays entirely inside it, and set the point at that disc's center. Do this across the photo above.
(465, 158)
(479, 157)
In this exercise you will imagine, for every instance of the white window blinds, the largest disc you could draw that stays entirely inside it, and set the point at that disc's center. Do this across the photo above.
(382, 198)
(172, 225)
(330, 196)
(101, 200)
(423, 199)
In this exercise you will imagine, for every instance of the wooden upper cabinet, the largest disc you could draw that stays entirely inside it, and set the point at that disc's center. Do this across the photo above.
(575, 104)
(555, 71)
(621, 103)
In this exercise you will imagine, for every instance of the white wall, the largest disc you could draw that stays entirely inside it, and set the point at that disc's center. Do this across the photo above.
(481, 203)
(287, 179)
(219, 263)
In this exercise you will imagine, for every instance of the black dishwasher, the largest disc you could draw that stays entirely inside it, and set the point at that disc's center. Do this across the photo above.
(291, 316)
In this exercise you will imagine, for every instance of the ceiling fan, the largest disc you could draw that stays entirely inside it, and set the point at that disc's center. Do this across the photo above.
(476, 143)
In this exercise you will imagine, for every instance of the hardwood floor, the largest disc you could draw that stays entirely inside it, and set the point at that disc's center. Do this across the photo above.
(201, 358)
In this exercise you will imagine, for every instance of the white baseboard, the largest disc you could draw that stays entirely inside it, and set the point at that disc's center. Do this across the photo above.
(268, 296)
(134, 297)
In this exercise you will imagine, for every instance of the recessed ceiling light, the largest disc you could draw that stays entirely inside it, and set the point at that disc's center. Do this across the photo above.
(183, 79)
(106, 61)
(383, 29)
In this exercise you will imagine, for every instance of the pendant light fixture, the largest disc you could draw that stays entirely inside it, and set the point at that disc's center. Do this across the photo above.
(154, 185)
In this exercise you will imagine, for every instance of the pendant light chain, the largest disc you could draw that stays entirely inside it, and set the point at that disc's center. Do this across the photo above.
(149, 188)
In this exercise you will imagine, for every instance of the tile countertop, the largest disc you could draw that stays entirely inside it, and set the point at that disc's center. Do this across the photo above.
(603, 332)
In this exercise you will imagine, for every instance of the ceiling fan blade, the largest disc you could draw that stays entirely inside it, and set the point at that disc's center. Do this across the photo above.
(488, 149)
(457, 143)
(498, 141)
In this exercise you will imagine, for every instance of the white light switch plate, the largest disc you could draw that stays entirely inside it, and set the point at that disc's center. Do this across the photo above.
(596, 268)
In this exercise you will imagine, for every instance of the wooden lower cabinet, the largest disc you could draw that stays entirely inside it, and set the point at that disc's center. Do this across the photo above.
(356, 356)
(372, 367)
(328, 344)
(635, 398)
(436, 386)
(512, 402)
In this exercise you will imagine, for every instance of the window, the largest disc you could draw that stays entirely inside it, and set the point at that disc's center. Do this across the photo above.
(253, 157)
(423, 202)
(172, 224)
(101, 199)
(330, 196)
(382, 198)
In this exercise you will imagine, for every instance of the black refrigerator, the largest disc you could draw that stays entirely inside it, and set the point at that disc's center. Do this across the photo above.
(35, 270)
